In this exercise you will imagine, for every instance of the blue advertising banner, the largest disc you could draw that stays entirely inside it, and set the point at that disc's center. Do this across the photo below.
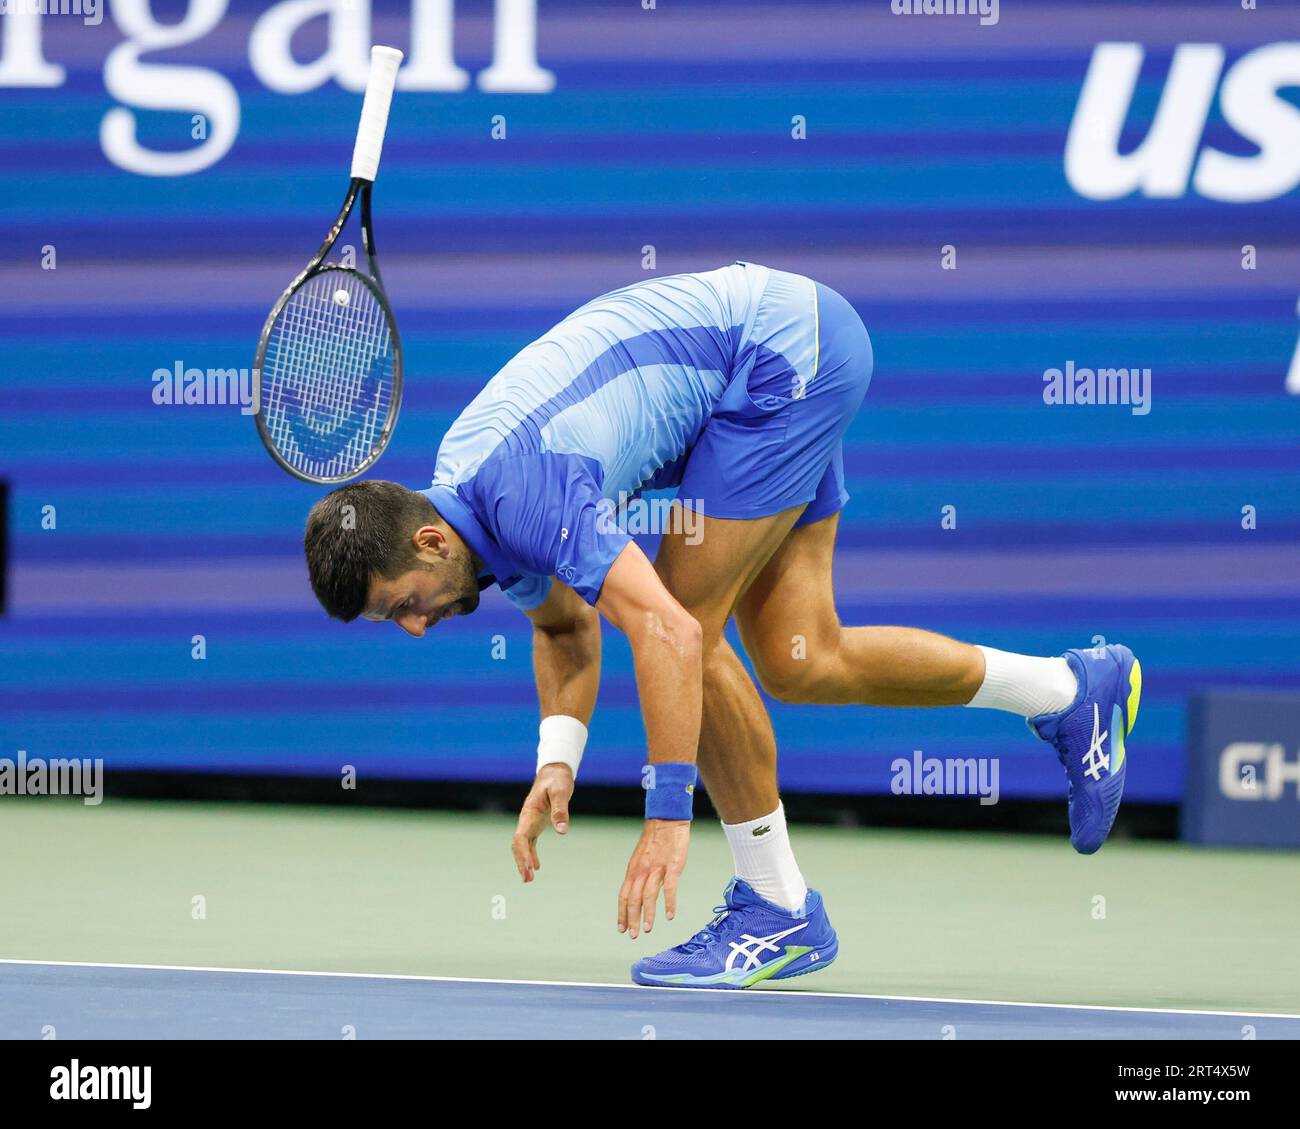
(1243, 770)
(1072, 229)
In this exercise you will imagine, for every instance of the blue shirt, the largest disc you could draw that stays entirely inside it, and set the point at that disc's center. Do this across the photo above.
(605, 405)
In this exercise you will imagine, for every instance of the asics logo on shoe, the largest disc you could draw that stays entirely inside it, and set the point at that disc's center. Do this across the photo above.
(751, 947)
(760, 831)
(1096, 760)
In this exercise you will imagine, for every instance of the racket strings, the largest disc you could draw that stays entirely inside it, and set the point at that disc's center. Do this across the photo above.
(327, 375)
(329, 351)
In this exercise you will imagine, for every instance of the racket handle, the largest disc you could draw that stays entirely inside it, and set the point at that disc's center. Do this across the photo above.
(384, 62)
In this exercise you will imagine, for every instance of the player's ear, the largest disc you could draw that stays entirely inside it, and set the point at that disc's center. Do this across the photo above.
(431, 539)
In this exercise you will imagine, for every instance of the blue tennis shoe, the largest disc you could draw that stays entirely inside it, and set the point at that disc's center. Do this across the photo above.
(748, 941)
(1090, 735)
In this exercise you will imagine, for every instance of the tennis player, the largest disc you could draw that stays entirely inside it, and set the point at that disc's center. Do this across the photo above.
(736, 387)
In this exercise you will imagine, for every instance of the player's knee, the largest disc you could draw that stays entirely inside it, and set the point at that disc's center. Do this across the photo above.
(789, 679)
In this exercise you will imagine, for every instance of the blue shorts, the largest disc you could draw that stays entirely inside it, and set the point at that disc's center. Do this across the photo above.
(775, 438)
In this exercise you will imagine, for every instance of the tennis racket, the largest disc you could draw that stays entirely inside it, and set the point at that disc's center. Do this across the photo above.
(328, 371)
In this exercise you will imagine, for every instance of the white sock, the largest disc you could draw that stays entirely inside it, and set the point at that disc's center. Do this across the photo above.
(763, 858)
(1024, 684)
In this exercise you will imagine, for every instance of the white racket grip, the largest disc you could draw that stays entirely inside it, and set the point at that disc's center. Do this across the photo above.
(384, 62)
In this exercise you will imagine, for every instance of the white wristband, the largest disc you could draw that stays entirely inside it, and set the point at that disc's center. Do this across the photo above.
(561, 740)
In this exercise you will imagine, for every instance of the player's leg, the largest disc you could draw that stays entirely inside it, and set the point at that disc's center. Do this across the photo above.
(1084, 703)
(802, 652)
(764, 452)
(737, 754)
(707, 572)
(774, 926)
(798, 381)
(737, 759)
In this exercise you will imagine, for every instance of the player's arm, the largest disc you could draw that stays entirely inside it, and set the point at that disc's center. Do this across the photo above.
(666, 652)
(547, 513)
(566, 665)
(665, 641)
(566, 654)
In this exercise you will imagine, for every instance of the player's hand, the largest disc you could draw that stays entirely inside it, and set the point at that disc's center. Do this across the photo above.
(548, 802)
(657, 863)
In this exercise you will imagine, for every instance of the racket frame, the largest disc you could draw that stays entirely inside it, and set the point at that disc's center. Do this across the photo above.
(358, 187)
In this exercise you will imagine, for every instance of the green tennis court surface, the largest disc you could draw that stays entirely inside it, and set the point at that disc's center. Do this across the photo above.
(937, 915)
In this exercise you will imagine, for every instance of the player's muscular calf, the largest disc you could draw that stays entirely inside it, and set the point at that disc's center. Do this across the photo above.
(737, 746)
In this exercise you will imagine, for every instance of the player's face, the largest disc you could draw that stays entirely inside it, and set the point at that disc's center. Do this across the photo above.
(426, 595)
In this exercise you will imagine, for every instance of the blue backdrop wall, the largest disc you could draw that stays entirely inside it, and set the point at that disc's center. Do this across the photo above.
(167, 169)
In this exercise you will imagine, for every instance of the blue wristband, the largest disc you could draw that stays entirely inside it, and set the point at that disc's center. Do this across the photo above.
(669, 790)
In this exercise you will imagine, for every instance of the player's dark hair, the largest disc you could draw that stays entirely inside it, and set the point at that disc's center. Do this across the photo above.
(357, 532)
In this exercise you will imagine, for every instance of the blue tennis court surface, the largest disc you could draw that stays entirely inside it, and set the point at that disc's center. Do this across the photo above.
(128, 1002)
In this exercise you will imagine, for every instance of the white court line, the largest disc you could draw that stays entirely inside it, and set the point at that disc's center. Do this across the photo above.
(766, 993)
